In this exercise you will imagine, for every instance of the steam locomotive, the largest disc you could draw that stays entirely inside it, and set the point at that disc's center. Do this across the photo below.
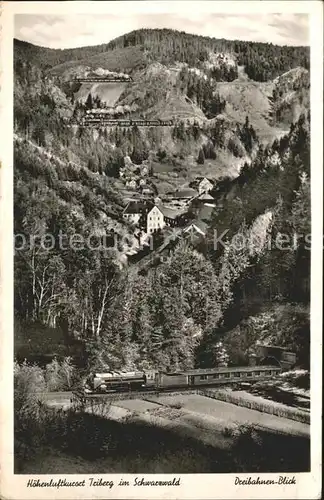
(114, 382)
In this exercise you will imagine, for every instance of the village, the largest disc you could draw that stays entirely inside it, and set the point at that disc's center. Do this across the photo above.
(163, 219)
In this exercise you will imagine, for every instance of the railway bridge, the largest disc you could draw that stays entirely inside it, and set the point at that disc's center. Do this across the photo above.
(93, 79)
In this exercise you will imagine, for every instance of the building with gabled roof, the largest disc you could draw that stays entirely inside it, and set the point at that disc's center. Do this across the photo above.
(154, 219)
(197, 226)
(200, 224)
(131, 183)
(133, 211)
(174, 217)
(202, 184)
(203, 199)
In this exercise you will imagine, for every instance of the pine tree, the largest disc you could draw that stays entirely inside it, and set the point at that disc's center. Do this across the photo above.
(201, 157)
(89, 101)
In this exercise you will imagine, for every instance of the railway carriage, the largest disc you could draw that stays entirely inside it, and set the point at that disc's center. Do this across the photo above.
(235, 374)
(167, 380)
(215, 376)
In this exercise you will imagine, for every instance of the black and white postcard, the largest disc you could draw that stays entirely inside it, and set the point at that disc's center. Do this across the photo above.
(161, 249)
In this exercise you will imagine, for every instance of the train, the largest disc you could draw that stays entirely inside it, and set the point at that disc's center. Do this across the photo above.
(114, 382)
(104, 79)
(102, 120)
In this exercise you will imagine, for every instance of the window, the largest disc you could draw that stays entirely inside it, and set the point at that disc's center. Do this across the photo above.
(227, 375)
(203, 377)
(257, 374)
(237, 374)
(216, 375)
(249, 374)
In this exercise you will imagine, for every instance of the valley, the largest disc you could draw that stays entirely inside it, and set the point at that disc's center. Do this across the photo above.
(129, 254)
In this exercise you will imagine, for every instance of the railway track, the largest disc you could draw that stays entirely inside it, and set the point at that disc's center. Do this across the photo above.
(81, 397)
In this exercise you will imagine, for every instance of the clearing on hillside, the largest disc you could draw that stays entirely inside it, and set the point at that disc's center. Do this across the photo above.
(107, 92)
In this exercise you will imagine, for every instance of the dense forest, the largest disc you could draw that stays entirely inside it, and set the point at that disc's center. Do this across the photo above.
(42, 111)
(262, 61)
(163, 317)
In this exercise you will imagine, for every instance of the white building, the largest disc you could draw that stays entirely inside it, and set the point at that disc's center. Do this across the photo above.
(205, 185)
(131, 184)
(154, 220)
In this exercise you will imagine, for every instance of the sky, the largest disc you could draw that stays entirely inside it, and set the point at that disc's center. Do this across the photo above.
(68, 31)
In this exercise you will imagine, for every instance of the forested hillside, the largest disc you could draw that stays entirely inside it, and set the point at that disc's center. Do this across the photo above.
(205, 305)
(262, 61)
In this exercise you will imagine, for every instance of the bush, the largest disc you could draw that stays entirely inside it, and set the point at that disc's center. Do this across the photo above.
(228, 432)
(177, 406)
(29, 411)
(28, 382)
(52, 375)
(60, 376)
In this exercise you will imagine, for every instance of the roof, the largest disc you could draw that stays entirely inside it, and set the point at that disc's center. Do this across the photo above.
(198, 180)
(205, 196)
(138, 207)
(198, 225)
(205, 178)
(153, 205)
(185, 193)
(270, 346)
(170, 213)
(134, 207)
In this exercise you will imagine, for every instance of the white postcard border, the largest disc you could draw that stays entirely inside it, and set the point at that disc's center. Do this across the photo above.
(193, 486)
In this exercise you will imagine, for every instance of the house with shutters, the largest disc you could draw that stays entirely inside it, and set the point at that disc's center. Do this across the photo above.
(199, 226)
(153, 217)
(154, 220)
(159, 216)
